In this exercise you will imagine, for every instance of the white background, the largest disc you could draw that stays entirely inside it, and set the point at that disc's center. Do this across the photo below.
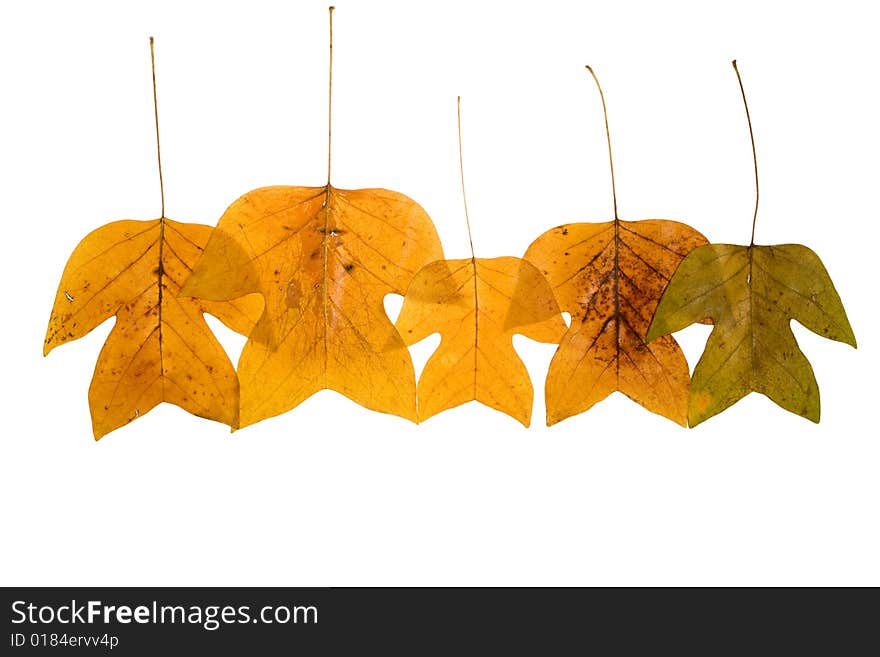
(332, 494)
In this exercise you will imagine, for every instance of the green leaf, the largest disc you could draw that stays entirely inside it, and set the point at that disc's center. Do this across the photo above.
(751, 294)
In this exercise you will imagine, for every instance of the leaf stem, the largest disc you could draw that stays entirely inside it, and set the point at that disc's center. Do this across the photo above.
(463, 195)
(607, 137)
(160, 268)
(754, 154)
(156, 117)
(330, 96)
(473, 254)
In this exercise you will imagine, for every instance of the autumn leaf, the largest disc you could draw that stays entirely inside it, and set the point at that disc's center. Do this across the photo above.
(476, 305)
(609, 276)
(160, 348)
(323, 259)
(751, 294)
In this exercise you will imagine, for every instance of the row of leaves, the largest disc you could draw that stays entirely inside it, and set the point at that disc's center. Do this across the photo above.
(303, 273)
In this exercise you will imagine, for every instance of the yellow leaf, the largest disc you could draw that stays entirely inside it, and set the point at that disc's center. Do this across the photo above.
(323, 259)
(160, 348)
(477, 305)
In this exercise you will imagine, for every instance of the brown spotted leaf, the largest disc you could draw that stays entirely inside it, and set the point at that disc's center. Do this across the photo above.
(160, 348)
(609, 277)
(477, 305)
(323, 259)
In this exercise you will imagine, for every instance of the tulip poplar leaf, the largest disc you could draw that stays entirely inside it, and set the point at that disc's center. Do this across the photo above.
(609, 276)
(751, 294)
(323, 259)
(160, 348)
(477, 304)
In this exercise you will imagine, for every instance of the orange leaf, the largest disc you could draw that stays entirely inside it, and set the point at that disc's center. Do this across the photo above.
(610, 277)
(323, 259)
(160, 348)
